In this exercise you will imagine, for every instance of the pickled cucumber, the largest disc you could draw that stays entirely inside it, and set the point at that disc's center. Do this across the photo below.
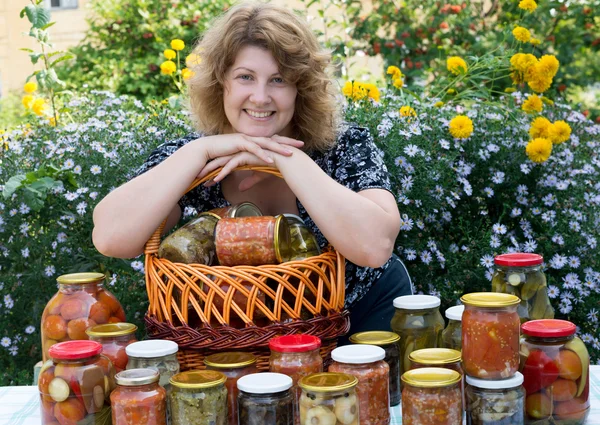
(537, 309)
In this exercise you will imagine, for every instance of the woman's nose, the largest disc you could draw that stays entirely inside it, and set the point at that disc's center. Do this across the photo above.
(260, 95)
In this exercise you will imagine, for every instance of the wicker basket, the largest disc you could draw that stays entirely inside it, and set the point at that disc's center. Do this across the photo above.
(208, 309)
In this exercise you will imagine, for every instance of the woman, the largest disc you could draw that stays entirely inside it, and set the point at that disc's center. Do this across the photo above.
(261, 95)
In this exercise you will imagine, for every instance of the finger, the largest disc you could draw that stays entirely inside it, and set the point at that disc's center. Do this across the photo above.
(271, 145)
(288, 140)
(228, 168)
(213, 165)
(257, 151)
(252, 181)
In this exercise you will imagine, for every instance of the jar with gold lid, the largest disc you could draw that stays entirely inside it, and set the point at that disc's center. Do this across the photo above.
(233, 365)
(431, 395)
(192, 243)
(198, 397)
(329, 398)
(389, 341)
(114, 337)
(303, 242)
(138, 398)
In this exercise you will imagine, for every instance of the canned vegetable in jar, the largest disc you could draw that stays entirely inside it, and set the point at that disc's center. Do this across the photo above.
(198, 397)
(114, 338)
(138, 399)
(265, 399)
(495, 402)
(193, 243)
(329, 399)
(244, 209)
(452, 335)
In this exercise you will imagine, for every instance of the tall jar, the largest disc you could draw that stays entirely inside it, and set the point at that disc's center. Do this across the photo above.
(495, 402)
(233, 365)
(418, 322)
(265, 399)
(114, 338)
(389, 341)
(75, 385)
(452, 334)
(373, 373)
(431, 395)
(158, 354)
(138, 399)
(198, 397)
(555, 364)
(490, 335)
(303, 242)
(329, 398)
(521, 274)
(81, 302)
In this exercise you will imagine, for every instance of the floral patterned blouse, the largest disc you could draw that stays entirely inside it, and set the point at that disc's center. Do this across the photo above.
(354, 161)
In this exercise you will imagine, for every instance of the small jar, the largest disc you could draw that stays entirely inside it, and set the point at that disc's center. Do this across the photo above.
(138, 399)
(233, 365)
(452, 335)
(419, 323)
(192, 243)
(252, 241)
(329, 398)
(555, 364)
(521, 274)
(303, 242)
(75, 385)
(265, 399)
(198, 397)
(114, 338)
(81, 302)
(499, 402)
(431, 395)
(373, 373)
(243, 209)
(490, 335)
(158, 354)
(389, 341)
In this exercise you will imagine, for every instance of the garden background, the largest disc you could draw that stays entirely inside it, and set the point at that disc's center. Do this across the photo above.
(487, 113)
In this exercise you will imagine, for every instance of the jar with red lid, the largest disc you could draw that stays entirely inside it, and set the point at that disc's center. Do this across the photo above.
(81, 302)
(252, 241)
(366, 362)
(114, 337)
(555, 365)
(490, 335)
(75, 385)
(138, 398)
(521, 274)
(233, 365)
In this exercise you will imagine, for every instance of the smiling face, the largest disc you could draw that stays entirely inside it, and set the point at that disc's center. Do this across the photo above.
(257, 100)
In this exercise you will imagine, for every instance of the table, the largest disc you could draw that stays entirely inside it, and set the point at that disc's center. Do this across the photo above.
(20, 405)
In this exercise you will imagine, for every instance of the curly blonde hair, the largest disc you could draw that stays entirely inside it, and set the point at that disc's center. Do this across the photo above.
(297, 52)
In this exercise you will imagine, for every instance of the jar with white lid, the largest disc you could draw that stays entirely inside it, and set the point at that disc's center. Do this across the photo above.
(452, 335)
(366, 362)
(158, 354)
(265, 399)
(495, 402)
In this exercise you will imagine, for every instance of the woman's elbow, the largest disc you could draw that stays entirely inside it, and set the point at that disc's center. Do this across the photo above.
(376, 254)
(111, 246)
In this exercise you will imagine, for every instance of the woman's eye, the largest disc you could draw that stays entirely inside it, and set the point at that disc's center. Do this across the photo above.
(245, 77)
(278, 80)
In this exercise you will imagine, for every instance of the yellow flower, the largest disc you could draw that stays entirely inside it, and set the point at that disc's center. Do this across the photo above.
(192, 59)
(27, 101)
(438, 104)
(187, 73)
(532, 104)
(407, 111)
(522, 34)
(168, 67)
(559, 132)
(456, 65)
(398, 83)
(39, 106)
(30, 87)
(529, 5)
(548, 65)
(538, 83)
(177, 44)
(510, 90)
(461, 127)
(394, 71)
(451, 91)
(539, 128)
(354, 90)
(539, 149)
(170, 54)
(372, 91)
(547, 101)
(52, 121)
(535, 41)
(522, 62)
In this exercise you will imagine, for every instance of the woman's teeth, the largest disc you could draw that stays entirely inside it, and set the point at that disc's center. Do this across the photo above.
(259, 114)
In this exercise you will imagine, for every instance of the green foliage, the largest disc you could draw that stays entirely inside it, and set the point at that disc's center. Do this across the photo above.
(11, 112)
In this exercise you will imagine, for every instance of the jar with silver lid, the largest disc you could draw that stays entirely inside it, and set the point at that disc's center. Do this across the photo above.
(138, 398)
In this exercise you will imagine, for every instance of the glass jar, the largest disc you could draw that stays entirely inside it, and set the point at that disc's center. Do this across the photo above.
(114, 338)
(265, 399)
(192, 243)
(158, 354)
(243, 209)
(418, 322)
(431, 395)
(490, 335)
(303, 241)
(233, 365)
(499, 402)
(452, 335)
(198, 397)
(521, 274)
(366, 363)
(555, 364)
(81, 302)
(329, 398)
(75, 385)
(389, 341)
(138, 398)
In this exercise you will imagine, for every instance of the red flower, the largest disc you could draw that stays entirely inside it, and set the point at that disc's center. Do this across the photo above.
(444, 25)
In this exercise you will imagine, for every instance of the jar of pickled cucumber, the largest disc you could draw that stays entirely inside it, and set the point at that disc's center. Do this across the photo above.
(419, 323)
(198, 397)
(389, 341)
(521, 274)
(329, 398)
(495, 402)
(452, 334)
(265, 399)
(303, 241)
